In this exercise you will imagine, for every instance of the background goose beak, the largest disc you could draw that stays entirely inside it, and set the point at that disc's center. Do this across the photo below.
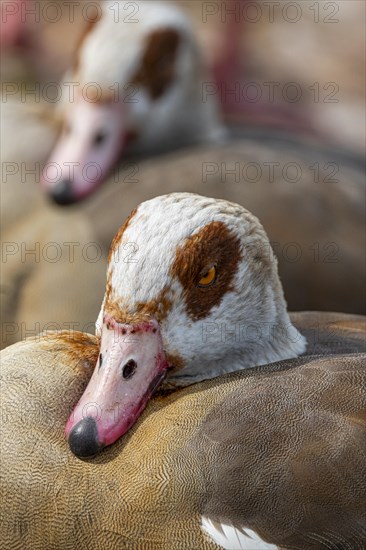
(131, 365)
(91, 143)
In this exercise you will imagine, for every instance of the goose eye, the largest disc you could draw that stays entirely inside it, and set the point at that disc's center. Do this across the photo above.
(208, 278)
(99, 138)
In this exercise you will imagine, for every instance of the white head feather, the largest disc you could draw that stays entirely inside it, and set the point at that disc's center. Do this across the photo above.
(249, 326)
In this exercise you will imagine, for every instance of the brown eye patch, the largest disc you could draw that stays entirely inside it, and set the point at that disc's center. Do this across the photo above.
(158, 63)
(214, 245)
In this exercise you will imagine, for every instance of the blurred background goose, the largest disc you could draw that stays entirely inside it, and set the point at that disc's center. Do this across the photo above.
(137, 81)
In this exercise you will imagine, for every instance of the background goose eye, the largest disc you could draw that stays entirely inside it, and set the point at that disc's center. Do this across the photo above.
(208, 278)
(99, 138)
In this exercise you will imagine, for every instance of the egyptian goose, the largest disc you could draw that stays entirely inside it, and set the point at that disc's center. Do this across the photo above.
(137, 86)
(266, 457)
(183, 270)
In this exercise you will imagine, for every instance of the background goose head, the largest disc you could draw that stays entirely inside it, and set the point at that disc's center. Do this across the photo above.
(192, 293)
(137, 84)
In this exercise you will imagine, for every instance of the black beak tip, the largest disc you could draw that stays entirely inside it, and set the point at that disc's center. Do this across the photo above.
(83, 438)
(62, 193)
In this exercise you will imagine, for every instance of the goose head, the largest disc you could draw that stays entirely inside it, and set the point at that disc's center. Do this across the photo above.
(192, 293)
(137, 87)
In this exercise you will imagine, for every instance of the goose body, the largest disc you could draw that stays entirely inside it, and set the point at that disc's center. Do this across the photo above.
(275, 452)
(138, 84)
(228, 453)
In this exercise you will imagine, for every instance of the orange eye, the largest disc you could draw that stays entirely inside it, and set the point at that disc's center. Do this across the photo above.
(208, 278)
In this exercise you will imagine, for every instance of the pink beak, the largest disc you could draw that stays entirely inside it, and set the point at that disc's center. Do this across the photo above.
(131, 365)
(85, 153)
